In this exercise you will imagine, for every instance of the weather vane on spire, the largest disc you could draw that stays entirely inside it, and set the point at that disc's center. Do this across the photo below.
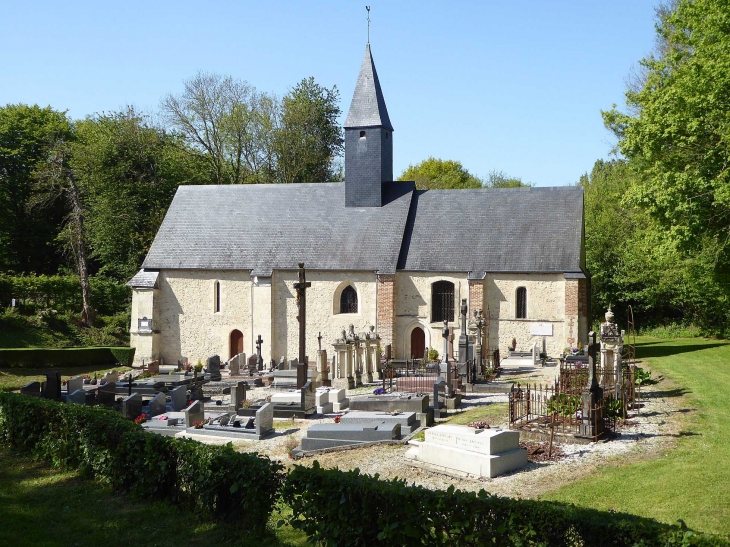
(368, 8)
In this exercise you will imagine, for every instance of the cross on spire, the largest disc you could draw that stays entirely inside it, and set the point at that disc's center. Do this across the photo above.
(368, 8)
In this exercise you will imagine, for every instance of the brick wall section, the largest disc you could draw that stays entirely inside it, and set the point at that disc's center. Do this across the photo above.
(572, 306)
(386, 309)
(476, 296)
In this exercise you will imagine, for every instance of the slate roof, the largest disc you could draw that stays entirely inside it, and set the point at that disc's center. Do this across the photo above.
(368, 105)
(275, 226)
(262, 227)
(495, 230)
(143, 280)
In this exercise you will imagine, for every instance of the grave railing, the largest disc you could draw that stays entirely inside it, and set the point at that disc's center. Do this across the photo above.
(412, 376)
(574, 379)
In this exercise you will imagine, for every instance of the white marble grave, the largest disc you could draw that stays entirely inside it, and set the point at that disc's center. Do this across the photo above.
(484, 453)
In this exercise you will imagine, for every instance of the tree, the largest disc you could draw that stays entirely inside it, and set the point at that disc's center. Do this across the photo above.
(130, 170)
(229, 124)
(498, 179)
(26, 238)
(677, 133)
(434, 173)
(309, 139)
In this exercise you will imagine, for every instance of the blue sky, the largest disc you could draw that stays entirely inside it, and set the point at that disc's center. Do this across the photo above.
(511, 86)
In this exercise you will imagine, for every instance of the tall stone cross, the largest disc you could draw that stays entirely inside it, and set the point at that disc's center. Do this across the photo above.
(301, 288)
(319, 340)
(463, 339)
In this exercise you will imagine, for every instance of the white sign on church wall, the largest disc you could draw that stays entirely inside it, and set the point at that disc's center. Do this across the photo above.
(541, 329)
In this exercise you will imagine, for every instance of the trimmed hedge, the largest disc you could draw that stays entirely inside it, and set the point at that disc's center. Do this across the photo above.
(64, 357)
(346, 508)
(215, 481)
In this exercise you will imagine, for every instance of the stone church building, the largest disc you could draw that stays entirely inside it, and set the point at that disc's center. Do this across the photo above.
(379, 253)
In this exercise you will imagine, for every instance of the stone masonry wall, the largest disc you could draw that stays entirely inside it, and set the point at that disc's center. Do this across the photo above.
(386, 309)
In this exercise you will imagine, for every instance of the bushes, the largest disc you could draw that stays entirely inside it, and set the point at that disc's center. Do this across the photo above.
(64, 357)
(216, 482)
(347, 508)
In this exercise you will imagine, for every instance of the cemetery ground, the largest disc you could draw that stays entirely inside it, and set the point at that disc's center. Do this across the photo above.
(669, 463)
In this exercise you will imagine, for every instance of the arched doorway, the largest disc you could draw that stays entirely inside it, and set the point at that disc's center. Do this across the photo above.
(418, 343)
(236, 345)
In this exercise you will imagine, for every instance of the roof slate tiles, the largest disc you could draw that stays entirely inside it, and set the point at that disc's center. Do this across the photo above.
(368, 104)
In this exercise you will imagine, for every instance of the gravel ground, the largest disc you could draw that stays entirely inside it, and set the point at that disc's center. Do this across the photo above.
(646, 433)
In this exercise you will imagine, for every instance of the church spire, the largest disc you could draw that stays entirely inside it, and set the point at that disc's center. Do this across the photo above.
(368, 105)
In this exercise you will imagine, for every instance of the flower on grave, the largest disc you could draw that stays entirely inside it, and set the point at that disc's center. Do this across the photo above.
(479, 425)
(142, 418)
(199, 424)
(162, 418)
(379, 391)
(337, 419)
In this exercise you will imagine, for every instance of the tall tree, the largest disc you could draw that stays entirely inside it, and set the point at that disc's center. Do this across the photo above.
(499, 179)
(130, 170)
(434, 173)
(228, 123)
(309, 139)
(26, 237)
(677, 132)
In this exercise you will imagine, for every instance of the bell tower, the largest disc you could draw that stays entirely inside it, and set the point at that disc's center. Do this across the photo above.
(368, 140)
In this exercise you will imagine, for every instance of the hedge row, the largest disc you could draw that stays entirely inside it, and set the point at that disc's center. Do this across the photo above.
(215, 481)
(347, 508)
(62, 293)
(64, 357)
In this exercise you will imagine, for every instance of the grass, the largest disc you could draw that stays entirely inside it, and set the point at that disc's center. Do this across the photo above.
(690, 481)
(495, 413)
(15, 378)
(49, 507)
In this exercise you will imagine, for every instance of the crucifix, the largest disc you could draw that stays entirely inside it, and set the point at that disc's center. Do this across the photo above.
(301, 288)
(260, 362)
(368, 8)
(319, 340)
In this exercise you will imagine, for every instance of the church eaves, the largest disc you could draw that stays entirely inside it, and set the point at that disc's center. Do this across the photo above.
(368, 105)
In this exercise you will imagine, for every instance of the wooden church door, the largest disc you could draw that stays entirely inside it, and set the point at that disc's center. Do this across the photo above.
(418, 343)
(236, 343)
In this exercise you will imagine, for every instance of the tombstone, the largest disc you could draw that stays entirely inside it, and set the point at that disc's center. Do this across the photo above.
(77, 397)
(107, 394)
(194, 413)
(264, 420)
(52, 387)
(33, 389)
(253, 364)
(153, 367)
(308, 398)
(77, 382)
(259, 358)
(439, 391)
(157, 406)
(238, 395)
(282, 364)
(214, 368)
(179, 398)
(132, 406)
(234, 365)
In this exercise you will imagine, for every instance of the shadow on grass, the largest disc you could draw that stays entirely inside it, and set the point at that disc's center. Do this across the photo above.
(676, 392)
(664, 349)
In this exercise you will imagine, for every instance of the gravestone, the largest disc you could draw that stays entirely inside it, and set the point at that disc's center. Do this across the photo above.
(439, 393)
(238, 395)
(179, 398)
(158, 405)
(407, 420)
(112, 376)
(77, 382)
(485, 453)
(234, 365)
(282, 364)
(33, 389)
(77, 397)
(52, 388)
(253, 364)
(265, 420)
(322, 436)
(214, 368)
(322, 399)
(132, 406)
(194, 413)
(308, 398)
(107, 394)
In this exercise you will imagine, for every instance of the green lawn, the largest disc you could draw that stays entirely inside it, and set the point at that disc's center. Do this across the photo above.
(692, 480)
(46, 507)
(15, 378)
(493, 414)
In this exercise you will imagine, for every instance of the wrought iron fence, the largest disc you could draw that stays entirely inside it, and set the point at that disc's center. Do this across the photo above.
(412, 376)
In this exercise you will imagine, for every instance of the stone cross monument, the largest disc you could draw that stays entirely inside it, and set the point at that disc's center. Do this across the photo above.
(301, 288)
(463, 337)
(259, 341)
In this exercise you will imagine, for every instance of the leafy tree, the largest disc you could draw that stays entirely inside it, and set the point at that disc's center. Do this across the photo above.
(26, 237)
(498, 179)
(677, 132)
(434, 173)
(309, 139)
(129, 170)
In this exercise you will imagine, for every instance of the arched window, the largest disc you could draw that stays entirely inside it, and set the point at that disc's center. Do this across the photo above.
(362, 134)
(442, 301)
(216, 296)
(348, 300)
(521, 304)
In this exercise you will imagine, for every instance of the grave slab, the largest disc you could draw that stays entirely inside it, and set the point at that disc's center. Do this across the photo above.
(194, 413)
(157, 405)
(406, 420)
(77, 382)
(78, 397)
(179, 398)
(132, 406)
(390, 403)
